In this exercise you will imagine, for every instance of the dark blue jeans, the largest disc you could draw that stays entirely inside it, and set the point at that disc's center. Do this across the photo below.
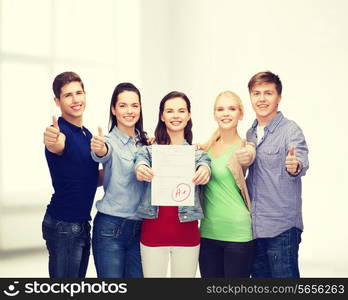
(68, 245)
(225, 259)
(116, 247)
(278, 256)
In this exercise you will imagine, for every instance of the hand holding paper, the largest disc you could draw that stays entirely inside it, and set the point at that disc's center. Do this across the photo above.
(202, 175)
(174, 166)
(144, 173)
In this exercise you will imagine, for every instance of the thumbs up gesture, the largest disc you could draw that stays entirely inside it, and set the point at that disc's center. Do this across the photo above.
(54, 140)
(291, 161)
(244, 157)
(98, 144)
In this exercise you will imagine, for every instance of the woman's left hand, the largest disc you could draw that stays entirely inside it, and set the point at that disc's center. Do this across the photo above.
(151, 140)
(202, 175)
(243, 155)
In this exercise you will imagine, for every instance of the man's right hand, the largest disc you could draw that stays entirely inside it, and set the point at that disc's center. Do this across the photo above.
(98, 144)
(54, 140)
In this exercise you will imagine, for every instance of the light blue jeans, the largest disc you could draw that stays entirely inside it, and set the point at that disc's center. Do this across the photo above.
(116, 247)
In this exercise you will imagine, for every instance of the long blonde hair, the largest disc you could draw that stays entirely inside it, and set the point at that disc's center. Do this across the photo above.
(216, 135)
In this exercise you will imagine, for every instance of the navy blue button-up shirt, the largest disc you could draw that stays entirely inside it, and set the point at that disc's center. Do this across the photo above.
(275, 194)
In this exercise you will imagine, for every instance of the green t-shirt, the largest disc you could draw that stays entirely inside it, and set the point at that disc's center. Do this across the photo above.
(226, 217)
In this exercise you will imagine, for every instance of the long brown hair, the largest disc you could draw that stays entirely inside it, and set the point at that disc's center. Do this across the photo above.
(161, 134)
(127, 86)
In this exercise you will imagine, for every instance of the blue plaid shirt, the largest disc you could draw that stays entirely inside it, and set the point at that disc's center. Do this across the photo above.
(275, 194)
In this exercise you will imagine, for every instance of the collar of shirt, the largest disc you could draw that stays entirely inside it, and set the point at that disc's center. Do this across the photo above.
(125, 138)
(184, 143)
(61, 120)
(273, 124)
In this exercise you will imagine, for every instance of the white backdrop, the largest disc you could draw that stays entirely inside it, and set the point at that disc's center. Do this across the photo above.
(218, 45)
(200, 47)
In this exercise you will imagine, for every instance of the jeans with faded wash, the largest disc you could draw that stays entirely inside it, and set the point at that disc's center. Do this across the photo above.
(278, 256)
(116, 247)
(68, 245)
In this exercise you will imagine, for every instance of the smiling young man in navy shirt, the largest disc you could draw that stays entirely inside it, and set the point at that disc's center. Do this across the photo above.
(75, 175)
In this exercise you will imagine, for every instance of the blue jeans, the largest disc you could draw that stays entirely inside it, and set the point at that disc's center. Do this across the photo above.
(116, 247)
(278, 256)
(225, 259)
(68, 245)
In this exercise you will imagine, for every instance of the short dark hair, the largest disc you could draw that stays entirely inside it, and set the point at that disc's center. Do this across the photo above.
(265, 77)
(64, 78)
(161, 134)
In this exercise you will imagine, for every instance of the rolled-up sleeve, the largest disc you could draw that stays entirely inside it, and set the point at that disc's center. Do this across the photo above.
(143, 157)
(202, 159)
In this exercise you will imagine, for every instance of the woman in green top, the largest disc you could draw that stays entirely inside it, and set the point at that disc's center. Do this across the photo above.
(227, 247)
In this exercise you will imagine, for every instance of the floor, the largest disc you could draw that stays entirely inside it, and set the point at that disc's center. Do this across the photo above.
(34, 264)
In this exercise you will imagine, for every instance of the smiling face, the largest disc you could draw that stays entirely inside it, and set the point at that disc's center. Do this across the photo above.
(72, 102)
(126, 110)
(175, 115)
(265, 100)
(227, 111)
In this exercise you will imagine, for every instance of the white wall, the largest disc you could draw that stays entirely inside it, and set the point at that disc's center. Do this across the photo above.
(216, 45)
(38, 40)
(202, 47)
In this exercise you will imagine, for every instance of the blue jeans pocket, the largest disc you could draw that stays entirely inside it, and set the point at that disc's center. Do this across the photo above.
(61, 229)
(107, 230)
(284, 255)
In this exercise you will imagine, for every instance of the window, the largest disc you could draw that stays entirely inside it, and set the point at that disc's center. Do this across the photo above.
(38, 40)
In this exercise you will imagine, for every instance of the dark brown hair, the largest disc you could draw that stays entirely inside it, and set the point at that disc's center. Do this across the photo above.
(63, 79)
(127, 86)
(161, 134)
(265, 77)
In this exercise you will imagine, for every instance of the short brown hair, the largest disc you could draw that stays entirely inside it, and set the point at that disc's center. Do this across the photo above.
(265, 77)
(62, 79)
